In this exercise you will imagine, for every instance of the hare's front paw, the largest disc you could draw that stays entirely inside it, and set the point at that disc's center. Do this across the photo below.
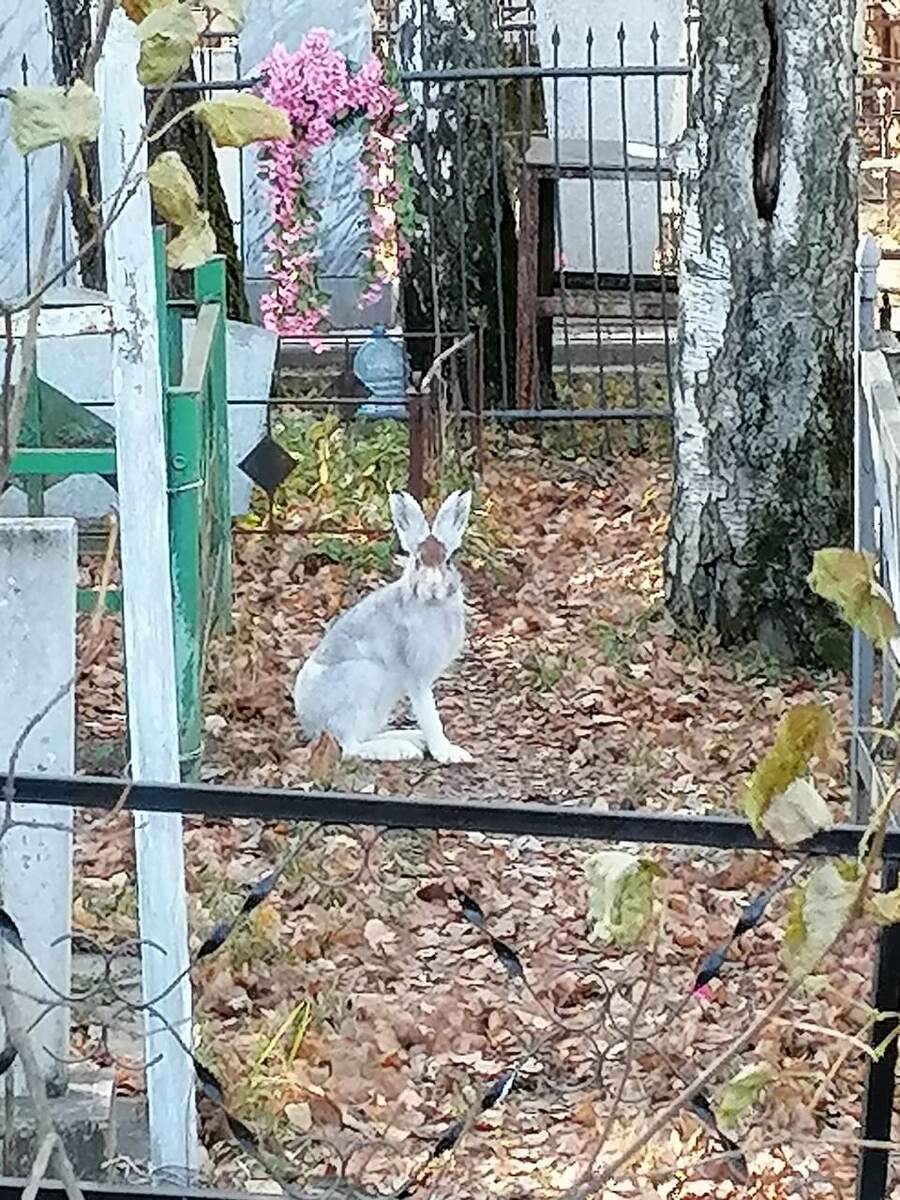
(447, 752)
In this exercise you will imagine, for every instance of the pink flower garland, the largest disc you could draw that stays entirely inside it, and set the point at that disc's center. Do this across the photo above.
(317, 91)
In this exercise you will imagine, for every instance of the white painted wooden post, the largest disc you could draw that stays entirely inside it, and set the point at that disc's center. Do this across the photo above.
(38, 579)
(147, 595)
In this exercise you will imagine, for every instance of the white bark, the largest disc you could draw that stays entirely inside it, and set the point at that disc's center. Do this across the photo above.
(763, 408)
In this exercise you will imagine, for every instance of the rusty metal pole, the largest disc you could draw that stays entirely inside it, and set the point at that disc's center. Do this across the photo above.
(414, 416)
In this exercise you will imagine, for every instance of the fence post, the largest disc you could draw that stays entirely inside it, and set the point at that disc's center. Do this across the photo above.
(184, 442)
(415, 420)
(881, 1076)
(148, 624)
(38, 569)
(868, 257)
(210, 288)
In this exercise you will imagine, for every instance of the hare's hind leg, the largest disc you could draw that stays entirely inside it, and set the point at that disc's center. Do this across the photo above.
(414, 735)
(390, 746)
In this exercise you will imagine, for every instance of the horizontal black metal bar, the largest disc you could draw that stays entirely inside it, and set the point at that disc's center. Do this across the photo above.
(507, 415)
(11, 1189)
(609, 281)
(238, 84)
(460, 74)
(456, 75)
(405, 812)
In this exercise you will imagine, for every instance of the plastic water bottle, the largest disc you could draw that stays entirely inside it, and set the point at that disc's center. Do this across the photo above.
(380, 366)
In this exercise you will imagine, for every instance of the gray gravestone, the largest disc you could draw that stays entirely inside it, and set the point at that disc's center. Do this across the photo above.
(38, 579)
(24, 202)
(567, 108)
(335, 183)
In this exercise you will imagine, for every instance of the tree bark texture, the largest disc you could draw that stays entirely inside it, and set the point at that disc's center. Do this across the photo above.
(70, 31)
(763, 406)
(193, 143)
(462, 269)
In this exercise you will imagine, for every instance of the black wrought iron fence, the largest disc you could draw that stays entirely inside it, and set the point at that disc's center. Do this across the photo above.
(506, 1018)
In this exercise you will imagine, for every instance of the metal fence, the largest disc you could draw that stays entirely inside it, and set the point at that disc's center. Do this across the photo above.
(877, 525)
(519, 132)
(558, 1021)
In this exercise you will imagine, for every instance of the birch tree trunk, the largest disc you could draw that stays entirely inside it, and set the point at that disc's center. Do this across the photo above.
(763, 410)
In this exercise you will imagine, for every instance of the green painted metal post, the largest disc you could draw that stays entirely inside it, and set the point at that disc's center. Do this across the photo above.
(183, 426)
(185, 438)
(210, 287)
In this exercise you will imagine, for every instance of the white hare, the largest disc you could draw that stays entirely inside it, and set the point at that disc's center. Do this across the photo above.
(395, 642)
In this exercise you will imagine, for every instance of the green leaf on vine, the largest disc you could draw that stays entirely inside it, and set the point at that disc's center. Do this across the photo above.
(816, 914)
(174, 191)
(884, 907)
(48, 116)
(194, 245)
(741, 1092)
(620, 895)
(847, 579)
(802, 732)
(136, 10)
(167, 37)
(796, 814)
(240, 120)
(233, 10)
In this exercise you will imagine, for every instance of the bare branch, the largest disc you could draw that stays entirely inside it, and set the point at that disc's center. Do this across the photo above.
(37, 1091)
(39, 1166)
(595, 1184)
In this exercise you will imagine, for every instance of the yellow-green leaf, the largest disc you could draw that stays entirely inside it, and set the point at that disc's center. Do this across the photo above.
(884, 907)
(136, 10)
(47, 116)
(193, 246)
(240, 120)
(847, 579)
(233, 10)
(620, 895)
(742, 1091)
(801, 733)
(796, 814)
(816, 915)
(174, 191)
(167, 37)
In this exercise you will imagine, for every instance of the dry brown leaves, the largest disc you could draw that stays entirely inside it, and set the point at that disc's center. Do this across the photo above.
(360, 1003)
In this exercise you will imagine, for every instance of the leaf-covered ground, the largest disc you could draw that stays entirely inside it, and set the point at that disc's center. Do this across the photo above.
(361, 1003)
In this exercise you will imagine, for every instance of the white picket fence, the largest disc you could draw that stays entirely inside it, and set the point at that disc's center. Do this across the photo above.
(876, 529)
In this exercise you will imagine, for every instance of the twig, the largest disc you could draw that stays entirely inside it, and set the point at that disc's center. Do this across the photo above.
(775, 1141)
(14, 406)
(14, 400)
(877, 831)
(37, 1091)
(630, 1036)
(117, 202)
(39, 1166)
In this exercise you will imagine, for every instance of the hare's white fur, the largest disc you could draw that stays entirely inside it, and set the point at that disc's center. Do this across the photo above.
(395, 643)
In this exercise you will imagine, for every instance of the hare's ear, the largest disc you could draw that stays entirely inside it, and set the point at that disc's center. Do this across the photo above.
(409, 521)
(452, 518)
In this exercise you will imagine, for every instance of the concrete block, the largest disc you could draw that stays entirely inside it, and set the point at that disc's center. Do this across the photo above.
(38, 577)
